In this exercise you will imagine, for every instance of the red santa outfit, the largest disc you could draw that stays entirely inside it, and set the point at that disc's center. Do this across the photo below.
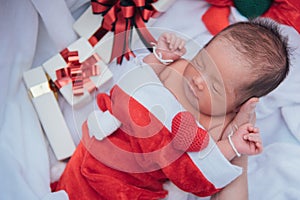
(157, 141)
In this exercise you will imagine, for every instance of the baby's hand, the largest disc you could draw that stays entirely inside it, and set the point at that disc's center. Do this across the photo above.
(170, 46)
(247, 140)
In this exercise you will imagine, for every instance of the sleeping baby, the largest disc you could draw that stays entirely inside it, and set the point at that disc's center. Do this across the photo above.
(170, 119)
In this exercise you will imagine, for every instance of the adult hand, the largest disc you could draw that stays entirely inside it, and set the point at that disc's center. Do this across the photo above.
(246, 114)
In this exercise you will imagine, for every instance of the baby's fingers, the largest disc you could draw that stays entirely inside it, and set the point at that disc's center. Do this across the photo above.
(182, 44)
(178, 43)
(256, 140)
(259, 146)
(252, 137)
(171, 41)
(167, 37)
(253, 129)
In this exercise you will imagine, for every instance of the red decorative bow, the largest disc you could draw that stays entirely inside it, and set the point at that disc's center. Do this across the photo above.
(120, 17)
(77, 73)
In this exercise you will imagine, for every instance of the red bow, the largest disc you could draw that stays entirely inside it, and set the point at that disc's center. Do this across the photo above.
(77, 73)
(121, 17)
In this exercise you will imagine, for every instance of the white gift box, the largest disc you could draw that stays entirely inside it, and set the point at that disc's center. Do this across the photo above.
(49, 113)
(85, 50)
(88, 23)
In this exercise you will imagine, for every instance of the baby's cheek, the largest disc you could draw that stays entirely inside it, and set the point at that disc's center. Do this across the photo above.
(218, 105)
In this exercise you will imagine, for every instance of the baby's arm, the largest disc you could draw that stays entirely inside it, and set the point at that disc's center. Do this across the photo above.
(169, 47)
(246, 140)
(238, 189)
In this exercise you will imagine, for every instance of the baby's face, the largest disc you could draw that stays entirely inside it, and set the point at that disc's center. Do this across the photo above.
(212, 79)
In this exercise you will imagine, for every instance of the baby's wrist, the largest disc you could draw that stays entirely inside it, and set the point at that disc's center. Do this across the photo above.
(226, 149)
(232, 145)
(158, 54)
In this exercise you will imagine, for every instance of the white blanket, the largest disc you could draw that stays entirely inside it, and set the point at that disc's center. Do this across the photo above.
(32, 31)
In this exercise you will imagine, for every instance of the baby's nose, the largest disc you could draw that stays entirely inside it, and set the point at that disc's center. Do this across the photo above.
(199, 82)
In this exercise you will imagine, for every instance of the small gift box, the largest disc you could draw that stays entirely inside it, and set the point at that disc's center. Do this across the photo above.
(113, 22)
(77, 71)
(86, 25)
(49, 113)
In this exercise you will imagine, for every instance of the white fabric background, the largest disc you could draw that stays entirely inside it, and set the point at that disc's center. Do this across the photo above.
(31, 31)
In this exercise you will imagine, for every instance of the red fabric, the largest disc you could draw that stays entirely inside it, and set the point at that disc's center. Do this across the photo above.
(53, 186)
(216, 18)
(283, 11)
(124, 166)
(220, 3)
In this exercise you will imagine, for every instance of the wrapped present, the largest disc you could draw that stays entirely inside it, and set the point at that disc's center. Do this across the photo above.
(77, 71)
(49, 113)
(105, 19)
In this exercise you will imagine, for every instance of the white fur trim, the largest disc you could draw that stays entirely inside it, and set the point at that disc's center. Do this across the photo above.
(144, 86)
(214, 166)
(102, 124)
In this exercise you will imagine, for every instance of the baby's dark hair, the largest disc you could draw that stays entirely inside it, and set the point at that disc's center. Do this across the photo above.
(260, 43)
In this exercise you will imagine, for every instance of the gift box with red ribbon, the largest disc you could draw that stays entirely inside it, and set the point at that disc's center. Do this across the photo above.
(78, 71)
(113, 22)
(50, 115)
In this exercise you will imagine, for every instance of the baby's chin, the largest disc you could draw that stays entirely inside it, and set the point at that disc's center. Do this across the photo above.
(211, 110)
(215, 112)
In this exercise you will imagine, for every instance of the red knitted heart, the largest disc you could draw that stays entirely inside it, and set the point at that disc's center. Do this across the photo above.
(188, 136)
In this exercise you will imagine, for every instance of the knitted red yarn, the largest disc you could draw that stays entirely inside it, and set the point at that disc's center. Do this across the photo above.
(188, 136)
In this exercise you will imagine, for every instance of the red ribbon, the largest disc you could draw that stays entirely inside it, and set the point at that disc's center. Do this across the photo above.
(120, 17)
(77, 73)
